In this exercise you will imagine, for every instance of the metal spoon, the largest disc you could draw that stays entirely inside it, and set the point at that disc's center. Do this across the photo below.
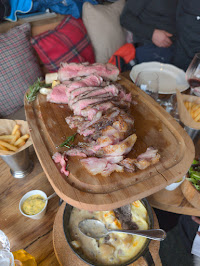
(49, 197)
(96, 229)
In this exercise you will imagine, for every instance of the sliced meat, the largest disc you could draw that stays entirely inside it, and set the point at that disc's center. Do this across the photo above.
(62, 159)
(90, 81)
(88, 124)
(110, 168)
(71, 70)
(147, 158)
(94, 165)
(81, 91)
(124, 215)
(82, 104)
(92, 109)
(58, 94)
(100, 166)
(119, 149)
(74, 121)
(80, 151)
(114, 159)
(128, 165)
(96, 91)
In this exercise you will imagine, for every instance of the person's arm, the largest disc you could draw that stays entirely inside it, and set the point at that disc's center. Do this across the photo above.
(196, 220)
(129, 19)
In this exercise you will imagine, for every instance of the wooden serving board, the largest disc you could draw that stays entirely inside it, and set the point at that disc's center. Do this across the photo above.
(67, 257)
(154, 127)
(173, 201)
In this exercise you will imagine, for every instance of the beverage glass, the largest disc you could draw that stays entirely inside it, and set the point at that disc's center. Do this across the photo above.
(148, 82)
(6, 258)
(193, 75)
(4, 242)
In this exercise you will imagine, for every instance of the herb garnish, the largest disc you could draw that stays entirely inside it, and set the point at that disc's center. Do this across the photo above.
(66, 168)
(67, 143)
(34, 89)
(194, 174)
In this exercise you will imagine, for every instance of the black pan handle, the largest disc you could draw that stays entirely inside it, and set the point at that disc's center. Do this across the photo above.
(147, 256)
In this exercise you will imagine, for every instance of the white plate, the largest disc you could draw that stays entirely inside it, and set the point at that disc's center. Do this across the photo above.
(170, 77)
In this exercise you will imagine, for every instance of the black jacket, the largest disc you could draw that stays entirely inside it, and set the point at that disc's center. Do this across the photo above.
(188, 26)
(141, 17)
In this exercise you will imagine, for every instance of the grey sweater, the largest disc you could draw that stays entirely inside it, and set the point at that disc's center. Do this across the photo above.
(141, 17)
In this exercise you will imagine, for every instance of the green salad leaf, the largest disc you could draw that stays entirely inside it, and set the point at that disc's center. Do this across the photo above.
(194, 174)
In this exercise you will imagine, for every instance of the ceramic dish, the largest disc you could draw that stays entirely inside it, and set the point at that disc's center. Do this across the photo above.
(170, 77)
(40, 214)
(175, 185)
(144, 252)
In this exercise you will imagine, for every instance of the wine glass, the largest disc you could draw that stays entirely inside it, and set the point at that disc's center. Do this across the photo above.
(193, 75)
(148, 82)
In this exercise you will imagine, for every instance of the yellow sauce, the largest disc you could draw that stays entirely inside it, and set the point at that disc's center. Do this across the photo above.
(33, 205)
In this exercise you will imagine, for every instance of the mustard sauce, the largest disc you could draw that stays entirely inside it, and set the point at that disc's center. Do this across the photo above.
(33, 205)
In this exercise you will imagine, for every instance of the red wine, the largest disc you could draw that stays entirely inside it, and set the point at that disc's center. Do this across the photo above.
(194, 82)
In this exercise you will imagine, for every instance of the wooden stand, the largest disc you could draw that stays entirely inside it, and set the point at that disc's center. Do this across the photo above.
(173, 201)
(191, 194)
(67, 257)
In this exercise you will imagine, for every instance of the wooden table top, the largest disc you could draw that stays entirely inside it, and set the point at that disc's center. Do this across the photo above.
(34, 236)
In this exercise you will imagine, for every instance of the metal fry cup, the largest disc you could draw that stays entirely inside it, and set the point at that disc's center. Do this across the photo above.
(20, 163)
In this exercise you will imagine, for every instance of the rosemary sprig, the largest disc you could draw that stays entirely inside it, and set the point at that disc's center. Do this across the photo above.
(34, 89)
(67, 143)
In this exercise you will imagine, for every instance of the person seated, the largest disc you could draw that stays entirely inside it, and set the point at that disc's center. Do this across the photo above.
(188, 33)
(153, 24)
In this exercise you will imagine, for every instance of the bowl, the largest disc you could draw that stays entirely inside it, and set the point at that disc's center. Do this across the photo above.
(144, 252)
(175, 185)
(40, 214)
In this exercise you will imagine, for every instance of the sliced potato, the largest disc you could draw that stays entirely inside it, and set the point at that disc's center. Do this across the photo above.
(7, 145)
(16, 127)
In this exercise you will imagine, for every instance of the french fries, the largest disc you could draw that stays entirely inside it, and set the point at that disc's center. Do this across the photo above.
(194, 110)
(14, 141)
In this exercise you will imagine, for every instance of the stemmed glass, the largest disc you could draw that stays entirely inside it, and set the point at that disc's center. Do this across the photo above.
(148, 82)
(193, 75)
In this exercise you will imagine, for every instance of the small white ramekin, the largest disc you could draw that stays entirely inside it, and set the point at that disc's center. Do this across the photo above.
(175, 185)
(40, 214)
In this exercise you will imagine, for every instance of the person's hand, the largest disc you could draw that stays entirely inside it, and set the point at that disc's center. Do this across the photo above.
(196, 220)
(161, 38)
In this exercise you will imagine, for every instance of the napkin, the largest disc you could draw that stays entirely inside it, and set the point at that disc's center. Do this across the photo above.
(6, 126)
(184, 115)
(196, 245)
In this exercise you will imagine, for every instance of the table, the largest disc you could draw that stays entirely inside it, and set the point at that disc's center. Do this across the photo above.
(173, 201)
(34, 236)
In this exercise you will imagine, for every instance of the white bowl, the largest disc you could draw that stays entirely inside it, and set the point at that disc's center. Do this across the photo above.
(175, 185)
(38, 215)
